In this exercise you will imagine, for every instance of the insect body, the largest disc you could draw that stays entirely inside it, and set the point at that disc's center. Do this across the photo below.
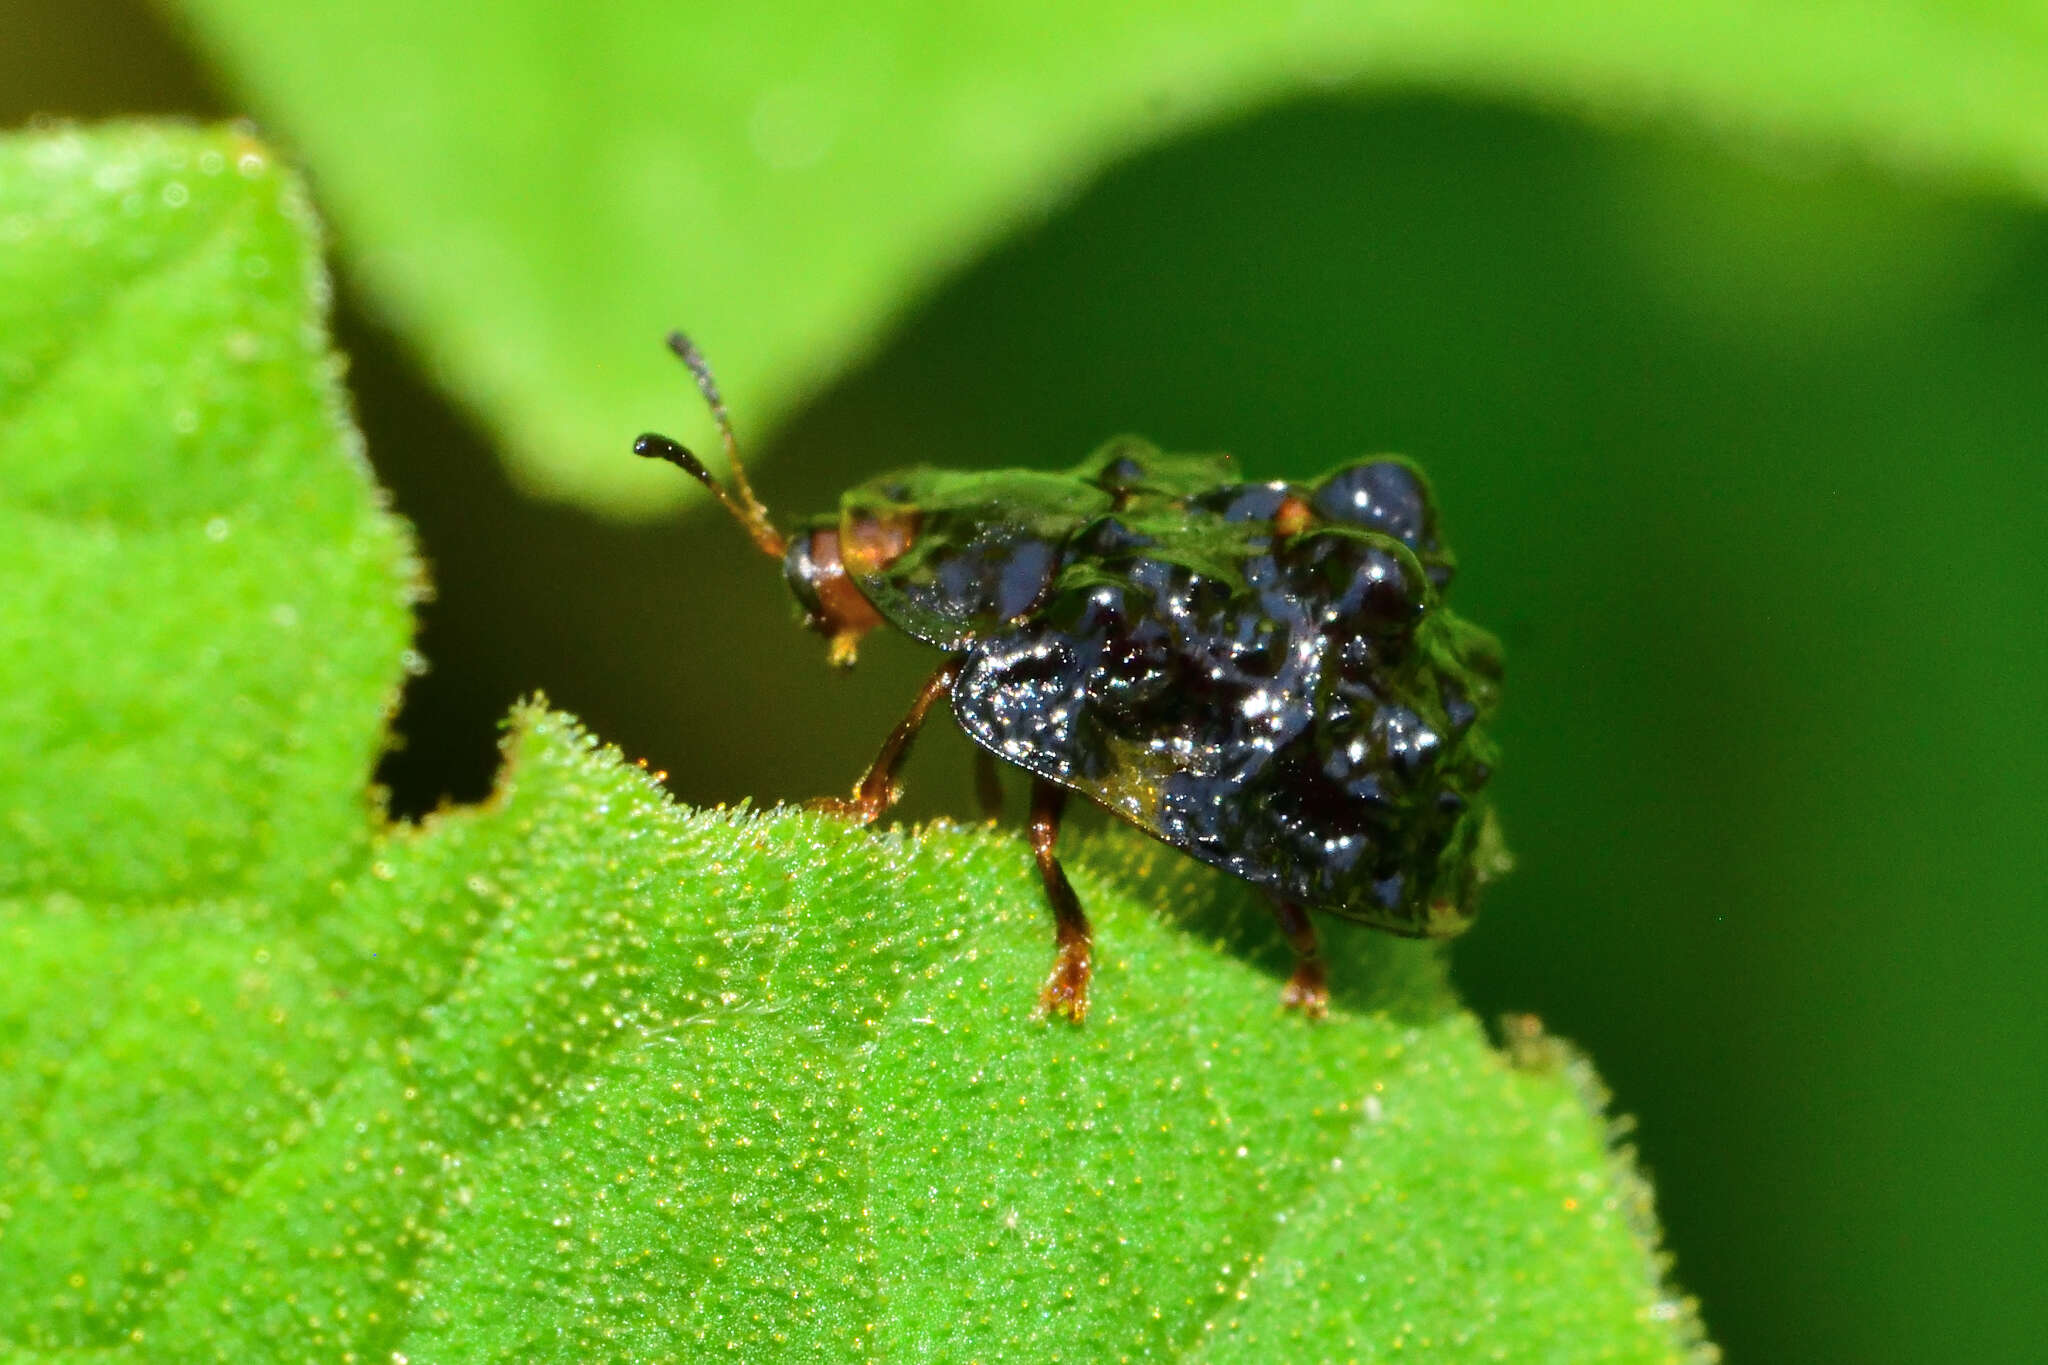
(1260, 674)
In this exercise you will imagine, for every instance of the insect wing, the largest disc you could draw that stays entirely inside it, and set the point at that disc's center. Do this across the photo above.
(1222, 696)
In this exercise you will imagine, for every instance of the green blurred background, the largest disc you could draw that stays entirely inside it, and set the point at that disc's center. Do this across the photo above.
(1742, 454)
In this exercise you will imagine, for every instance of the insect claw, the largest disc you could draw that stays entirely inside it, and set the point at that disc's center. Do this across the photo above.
(843, 649)
(1066, 990)
(1308, 990)
(878, 788)
(845, 808)
(1065, 994)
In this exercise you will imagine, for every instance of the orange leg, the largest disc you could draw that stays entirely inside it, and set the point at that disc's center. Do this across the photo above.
(1308, 990)
(877, 790)
(1066, 989)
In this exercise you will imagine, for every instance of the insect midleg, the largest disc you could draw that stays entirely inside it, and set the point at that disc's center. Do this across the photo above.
(1308, 990)
(1066, 989)
(877, 790)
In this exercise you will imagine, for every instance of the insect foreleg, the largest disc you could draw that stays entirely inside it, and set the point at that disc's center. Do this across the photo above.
(1066, 989)
(877, 790)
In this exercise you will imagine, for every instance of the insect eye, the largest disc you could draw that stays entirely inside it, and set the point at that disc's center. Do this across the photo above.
(1381, 495)
(800, 571)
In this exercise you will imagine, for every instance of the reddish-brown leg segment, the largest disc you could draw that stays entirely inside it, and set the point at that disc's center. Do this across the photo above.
(1308, 990)
(877, 790)
(1066, 989)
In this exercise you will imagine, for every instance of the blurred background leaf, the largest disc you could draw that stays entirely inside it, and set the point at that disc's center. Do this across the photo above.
(521, 194)
(1730, 361)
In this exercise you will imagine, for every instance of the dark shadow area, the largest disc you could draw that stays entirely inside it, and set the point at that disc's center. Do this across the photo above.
(1740, 459)
(98, 59)
(1369, 972)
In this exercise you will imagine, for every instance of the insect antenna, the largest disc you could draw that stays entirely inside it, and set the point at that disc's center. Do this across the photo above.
(739, 499)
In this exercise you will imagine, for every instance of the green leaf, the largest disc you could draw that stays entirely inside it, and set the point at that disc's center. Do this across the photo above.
(208, 607)
(581, 1075)
(538, 199)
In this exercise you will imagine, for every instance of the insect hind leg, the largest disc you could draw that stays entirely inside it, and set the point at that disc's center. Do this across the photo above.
(1066, 988)
(1308, 990)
